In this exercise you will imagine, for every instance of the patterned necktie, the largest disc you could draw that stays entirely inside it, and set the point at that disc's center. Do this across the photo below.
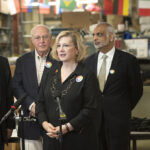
(102, 74)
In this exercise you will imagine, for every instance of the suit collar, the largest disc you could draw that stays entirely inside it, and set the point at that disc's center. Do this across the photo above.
(113, 68)
(32, 69)
(95, 60)
(110, 53)
(50, 62)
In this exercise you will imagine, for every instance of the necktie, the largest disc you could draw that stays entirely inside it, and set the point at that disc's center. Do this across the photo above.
(102, 74)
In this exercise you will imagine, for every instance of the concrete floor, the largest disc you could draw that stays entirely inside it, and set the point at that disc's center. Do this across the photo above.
(142, 145)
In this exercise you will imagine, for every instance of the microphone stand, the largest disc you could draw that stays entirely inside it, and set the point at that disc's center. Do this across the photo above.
(22, 130)
(13, 108)
(23, 119)
(62, 117)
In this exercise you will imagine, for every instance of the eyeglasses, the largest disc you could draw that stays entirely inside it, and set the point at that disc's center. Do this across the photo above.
(45, 37)
(99, 34)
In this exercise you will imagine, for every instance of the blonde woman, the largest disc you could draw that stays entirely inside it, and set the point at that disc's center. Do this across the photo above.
(78, 91)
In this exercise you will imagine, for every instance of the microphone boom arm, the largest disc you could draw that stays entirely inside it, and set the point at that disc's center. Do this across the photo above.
(13, 108)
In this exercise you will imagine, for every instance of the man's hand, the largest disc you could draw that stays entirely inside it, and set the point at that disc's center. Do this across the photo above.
(32, 112)
(9, 133)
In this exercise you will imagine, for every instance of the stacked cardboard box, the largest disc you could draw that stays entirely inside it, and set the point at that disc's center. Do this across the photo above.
(4, 7)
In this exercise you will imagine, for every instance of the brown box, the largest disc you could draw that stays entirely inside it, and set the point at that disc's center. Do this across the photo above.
(114, 20)
(4, 7)
(94, 18)
(0, 20)
(12, 146)
(75, 19)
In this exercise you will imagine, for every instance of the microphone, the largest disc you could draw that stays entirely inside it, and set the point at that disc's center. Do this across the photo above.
(13, 107)
(62, 115)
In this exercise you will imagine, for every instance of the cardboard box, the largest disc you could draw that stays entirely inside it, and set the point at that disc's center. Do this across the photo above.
(114, 20)
(12, 146)
(94, 18)
(0, 20)
(137, 47)
(75, 19)
(4, 7)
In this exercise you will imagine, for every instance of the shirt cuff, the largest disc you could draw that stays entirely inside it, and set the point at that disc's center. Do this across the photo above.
(31, 106)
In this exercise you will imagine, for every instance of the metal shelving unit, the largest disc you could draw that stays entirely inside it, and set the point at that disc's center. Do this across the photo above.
(6, 35)
(26, 22)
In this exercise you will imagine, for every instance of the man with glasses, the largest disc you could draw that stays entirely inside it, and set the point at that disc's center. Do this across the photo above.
(30, 70)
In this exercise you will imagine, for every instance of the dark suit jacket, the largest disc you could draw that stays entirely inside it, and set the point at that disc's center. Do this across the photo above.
(6, 98)
(122, 91)
(25, 82)
(79, 95)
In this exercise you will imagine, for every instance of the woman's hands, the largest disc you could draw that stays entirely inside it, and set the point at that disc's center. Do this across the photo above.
(53, 132)
(50, 129)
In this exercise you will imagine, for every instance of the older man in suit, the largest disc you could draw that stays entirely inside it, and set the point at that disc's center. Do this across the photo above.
(6, 100)
(29, 73)
(120, 87)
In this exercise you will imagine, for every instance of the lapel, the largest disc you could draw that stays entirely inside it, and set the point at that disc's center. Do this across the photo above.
(114, 65)
(94, 63)
(49, 61)
(30, 69)
(33, 69)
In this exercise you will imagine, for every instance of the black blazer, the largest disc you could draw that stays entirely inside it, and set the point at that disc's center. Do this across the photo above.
(79, 96)
(25, 81)
(6, 98)
(122, 91)
(126, 76)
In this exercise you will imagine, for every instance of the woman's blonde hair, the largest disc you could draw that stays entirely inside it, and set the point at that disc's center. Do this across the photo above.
(77, 41)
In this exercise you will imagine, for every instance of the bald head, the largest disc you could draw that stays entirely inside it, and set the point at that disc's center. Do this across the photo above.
(40, 26)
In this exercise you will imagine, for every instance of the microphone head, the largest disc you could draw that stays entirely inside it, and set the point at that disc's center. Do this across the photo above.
(19, 101)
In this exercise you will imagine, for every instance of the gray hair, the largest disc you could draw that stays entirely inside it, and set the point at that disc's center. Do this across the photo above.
(110, 28)
(40, 25)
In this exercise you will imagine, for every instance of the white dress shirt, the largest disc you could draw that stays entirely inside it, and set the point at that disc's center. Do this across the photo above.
(40, 63)
(110, 55)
